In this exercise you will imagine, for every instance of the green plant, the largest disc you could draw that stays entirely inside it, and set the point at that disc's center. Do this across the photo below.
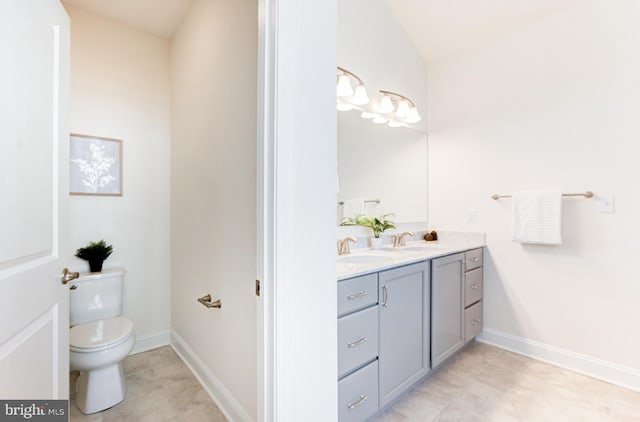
(377, 224)
(95, 253)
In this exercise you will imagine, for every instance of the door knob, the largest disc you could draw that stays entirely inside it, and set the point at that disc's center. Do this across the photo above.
(67, 276)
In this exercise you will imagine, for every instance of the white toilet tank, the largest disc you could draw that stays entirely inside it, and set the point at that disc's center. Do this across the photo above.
(98, 296)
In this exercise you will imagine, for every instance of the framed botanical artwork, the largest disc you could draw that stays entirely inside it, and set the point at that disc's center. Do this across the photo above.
(95, 166)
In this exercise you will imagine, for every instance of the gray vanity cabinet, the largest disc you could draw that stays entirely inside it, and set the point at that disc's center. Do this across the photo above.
(404, 295)
(447, 317)
(397, 324)
(358, 344)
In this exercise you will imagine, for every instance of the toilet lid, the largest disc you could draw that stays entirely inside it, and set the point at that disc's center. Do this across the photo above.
(98, 334)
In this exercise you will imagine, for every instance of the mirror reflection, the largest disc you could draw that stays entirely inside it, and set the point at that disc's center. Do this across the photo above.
(380, 162)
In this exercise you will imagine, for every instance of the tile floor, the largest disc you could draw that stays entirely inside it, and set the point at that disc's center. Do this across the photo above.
(482, 384)
(159, 388)
(486, 384)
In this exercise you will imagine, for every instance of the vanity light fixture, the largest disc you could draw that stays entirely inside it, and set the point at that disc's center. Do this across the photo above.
(386, 105)
(344, 89)
(405, 109)
(394, 109)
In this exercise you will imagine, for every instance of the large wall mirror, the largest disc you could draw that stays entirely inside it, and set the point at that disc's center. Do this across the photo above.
(378, 161)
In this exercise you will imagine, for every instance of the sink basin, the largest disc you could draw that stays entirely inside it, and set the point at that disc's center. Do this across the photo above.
(362, 259)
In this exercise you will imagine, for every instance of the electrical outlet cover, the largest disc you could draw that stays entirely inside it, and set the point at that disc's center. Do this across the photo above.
(607, 204)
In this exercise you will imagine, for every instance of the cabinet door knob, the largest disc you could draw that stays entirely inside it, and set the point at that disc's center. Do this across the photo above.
(475, 322)
(357, 403)
(358, 342)
(475, 259)
(475, 286)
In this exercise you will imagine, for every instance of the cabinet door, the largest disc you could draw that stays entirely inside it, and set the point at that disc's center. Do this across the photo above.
(447, 303)
(404, 328)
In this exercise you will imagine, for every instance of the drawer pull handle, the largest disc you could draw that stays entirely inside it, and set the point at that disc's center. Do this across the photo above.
(356, 295)
(357, 342)
(385, 296)
(475, 286)
(475, 322)
(355, 404)
(475, 259)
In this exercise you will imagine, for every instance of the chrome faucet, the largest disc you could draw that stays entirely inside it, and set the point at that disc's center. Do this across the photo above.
(398, 240)
(343, 245)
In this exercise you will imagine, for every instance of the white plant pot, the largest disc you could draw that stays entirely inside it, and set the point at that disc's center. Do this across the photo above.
(375, 242)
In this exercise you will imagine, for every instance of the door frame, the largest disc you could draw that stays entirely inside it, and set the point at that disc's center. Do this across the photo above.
(296, 198)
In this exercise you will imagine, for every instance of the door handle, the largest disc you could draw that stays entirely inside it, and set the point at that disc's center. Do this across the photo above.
(206, 301)
(385, 296)
(67, 276)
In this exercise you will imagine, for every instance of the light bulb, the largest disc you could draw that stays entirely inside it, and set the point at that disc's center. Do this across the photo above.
(393, 123)
(344, 88)
(344, 106)
(379, 120)
(386, 105)
(360, 97)
(403, 109)
(413, 116)
(367, 115)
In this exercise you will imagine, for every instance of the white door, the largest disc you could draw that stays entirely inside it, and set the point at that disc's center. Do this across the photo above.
(34, 305)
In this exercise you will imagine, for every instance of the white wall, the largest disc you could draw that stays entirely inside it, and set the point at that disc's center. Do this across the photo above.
(120, 89)
(551, 105)
(213, 197)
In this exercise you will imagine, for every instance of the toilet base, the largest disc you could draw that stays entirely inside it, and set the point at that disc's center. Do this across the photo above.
(100, 389)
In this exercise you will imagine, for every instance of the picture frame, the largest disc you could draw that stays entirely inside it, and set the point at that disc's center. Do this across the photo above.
(95, 165)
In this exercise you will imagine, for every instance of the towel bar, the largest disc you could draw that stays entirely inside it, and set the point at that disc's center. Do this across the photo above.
(372, 201)
(587, 194)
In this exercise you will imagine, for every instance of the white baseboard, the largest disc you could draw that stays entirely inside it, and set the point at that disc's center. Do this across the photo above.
(587, 365)
(232, 410)
(150, 342)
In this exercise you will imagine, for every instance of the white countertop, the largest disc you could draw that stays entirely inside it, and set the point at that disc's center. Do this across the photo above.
(365, 261)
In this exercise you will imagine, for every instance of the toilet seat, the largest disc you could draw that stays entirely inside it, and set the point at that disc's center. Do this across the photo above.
(100, 335)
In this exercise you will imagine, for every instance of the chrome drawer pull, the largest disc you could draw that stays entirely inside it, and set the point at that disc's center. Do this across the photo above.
(475, 286)
(475, 322)
(357, 342)
(475, 259)
(356, 295)
(357, 403)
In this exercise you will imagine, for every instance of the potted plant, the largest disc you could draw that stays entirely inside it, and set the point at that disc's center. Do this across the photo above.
(377, 224)
(95, 253)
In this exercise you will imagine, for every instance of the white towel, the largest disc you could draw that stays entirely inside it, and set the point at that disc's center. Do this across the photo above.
(352, 207)
(537, 217)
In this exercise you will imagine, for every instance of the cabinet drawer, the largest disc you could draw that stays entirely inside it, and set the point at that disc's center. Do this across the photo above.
(358, 394)
(473, 286)
(472, 321)
(357, 339)
(473, 259)
(357, 293)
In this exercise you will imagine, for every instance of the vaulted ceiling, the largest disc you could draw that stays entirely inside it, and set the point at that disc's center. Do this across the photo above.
(438, 28)
(159, 17)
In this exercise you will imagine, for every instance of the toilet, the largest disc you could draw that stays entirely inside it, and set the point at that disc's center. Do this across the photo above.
(99, 339)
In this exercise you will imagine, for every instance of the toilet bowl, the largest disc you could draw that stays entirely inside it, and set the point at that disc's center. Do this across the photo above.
(97, 350)
(99, 340)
